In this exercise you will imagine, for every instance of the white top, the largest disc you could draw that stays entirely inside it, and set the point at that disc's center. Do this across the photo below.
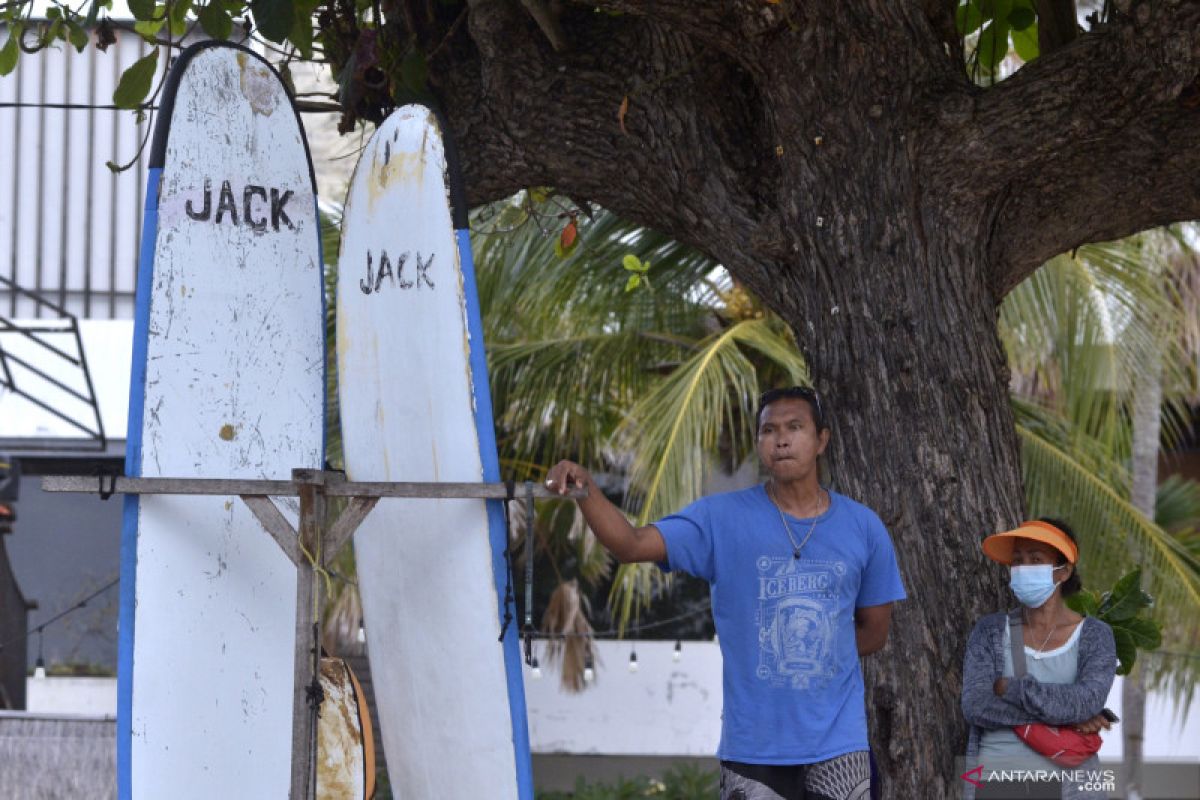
(1002, 746)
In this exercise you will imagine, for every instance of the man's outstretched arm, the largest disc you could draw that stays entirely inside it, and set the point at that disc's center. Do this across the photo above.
(627, 543)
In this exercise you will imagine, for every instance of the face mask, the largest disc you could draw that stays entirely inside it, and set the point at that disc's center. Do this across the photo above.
(1033, 584)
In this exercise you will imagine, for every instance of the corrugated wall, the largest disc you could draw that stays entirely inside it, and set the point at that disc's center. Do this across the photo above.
(69, 227)
(49, 757)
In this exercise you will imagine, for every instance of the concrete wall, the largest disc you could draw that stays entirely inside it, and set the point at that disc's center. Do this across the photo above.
(625, 724)
(50, 757)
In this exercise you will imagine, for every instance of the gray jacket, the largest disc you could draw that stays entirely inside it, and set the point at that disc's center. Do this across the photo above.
(1026, 699)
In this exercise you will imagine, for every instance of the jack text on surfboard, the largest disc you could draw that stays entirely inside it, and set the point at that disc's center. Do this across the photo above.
(395, 272)
(257, 203)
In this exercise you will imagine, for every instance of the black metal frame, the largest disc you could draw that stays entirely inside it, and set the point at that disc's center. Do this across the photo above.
(7, 359)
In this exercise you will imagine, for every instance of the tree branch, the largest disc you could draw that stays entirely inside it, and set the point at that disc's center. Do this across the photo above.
(525, 115)
(1096, 141)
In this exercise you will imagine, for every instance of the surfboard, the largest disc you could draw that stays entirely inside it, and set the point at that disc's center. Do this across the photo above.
(227, 382)
(415, 406)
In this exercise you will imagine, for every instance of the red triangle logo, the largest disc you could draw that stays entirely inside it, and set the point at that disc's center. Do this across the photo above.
(977, 772)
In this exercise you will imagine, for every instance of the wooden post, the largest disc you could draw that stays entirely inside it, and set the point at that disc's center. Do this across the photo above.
(307, 653)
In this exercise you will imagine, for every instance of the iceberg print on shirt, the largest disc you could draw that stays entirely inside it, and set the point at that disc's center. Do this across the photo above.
(797, 620)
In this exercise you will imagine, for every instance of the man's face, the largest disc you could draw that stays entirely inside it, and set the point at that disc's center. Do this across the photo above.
(788, 440)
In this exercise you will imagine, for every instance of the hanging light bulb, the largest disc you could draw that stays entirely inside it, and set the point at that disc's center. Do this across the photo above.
(362, 633)
(678, 654)
(535, 671)
(633, 664)
(589, 672)
(39, 669)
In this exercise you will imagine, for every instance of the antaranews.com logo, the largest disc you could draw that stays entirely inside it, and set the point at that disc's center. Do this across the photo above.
(1085, 780)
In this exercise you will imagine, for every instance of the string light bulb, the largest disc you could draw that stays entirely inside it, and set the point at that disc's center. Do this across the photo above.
(633, 662)
(589, 671)
(362, 633)
(678, 654)
(535, 670)
(39, 669)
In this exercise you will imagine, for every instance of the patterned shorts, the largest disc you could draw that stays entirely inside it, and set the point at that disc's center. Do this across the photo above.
(846, 777)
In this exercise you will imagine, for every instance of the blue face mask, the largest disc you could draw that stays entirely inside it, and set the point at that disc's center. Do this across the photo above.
(1033, 584)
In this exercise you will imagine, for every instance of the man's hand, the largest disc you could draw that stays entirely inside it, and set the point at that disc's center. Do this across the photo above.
(627, 543)
(567, 475)
(1094, 725)
(1000, 686)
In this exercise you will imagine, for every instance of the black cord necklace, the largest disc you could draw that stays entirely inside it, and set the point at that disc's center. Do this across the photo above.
(797, 549)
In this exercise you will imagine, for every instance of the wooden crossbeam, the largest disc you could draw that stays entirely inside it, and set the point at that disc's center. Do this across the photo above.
(333, 488)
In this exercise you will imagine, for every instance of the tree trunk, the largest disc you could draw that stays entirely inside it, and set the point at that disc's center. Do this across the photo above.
(902, 344)
(1147, 405)
(836, 159)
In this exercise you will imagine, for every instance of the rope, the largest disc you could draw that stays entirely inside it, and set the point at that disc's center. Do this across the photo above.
(509, 491)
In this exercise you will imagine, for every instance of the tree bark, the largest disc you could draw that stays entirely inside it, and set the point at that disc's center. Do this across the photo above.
(836, 159)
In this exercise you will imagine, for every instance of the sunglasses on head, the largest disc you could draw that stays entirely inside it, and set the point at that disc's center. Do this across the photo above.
(798, 392)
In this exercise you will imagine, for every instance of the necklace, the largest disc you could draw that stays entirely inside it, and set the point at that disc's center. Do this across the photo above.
(787, 528)
(1048, 635)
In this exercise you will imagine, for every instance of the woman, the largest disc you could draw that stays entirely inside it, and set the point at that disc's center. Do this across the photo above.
(1070, 662)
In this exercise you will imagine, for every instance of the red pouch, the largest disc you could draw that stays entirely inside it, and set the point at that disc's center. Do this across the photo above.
(1064, 746)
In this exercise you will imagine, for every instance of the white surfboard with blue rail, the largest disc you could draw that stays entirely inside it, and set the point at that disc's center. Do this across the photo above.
(228, 382)
(415, 406)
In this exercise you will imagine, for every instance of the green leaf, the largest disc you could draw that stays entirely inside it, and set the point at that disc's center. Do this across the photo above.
(1125, 599)
(302, 31)
(1146, 633)
(996, 9)
(177, 13)
(148, 29)
(1121, 609)
(9, 53)
(968, 17)
(142, 10)
(1025, 42)
(993, 45)
(633, 282)
(135, 82)
(1086, 602)
(1021, 18)
(215, 20)
(1126, 650)
(414, 70)
(77, 36)
(632, 263)
(273, 18)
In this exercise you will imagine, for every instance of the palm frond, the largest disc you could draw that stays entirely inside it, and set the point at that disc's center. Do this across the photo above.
(1060, 481)
(672, 434)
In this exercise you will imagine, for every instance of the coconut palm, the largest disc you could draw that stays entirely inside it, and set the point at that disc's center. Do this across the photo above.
(655, 384)
(1097, 340)
(1081, 334)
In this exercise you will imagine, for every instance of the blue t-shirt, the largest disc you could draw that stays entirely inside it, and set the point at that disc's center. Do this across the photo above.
(792, 683)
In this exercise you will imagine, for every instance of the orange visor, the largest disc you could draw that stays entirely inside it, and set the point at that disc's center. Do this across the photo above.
(999, 546)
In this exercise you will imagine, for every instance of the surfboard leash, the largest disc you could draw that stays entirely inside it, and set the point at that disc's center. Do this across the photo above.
(510, 489)
(529, 630)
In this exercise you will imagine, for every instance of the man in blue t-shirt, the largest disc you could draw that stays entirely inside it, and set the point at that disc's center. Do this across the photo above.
(802, 580)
